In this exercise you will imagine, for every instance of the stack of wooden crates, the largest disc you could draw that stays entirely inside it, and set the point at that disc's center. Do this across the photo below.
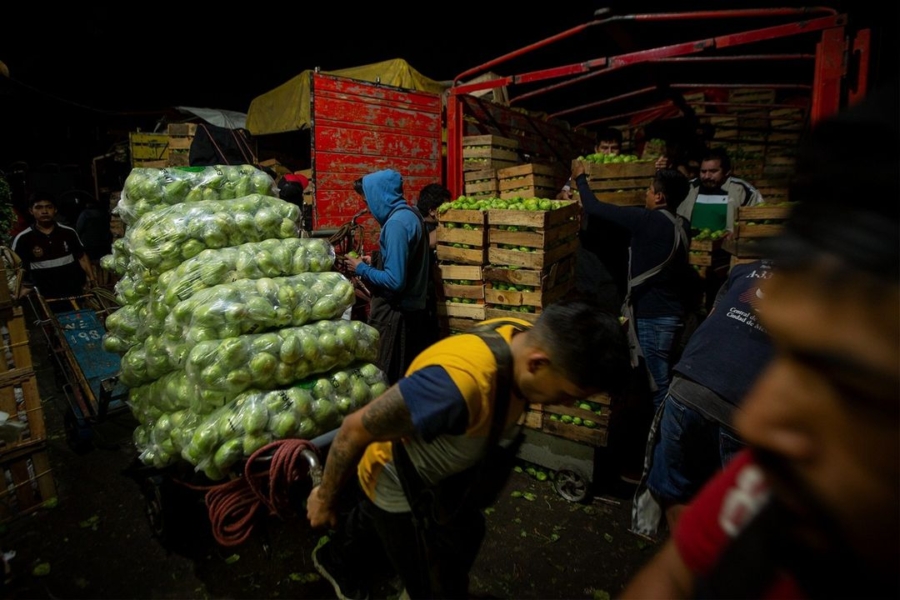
(161, 150)
(504, 263)
(27, 479)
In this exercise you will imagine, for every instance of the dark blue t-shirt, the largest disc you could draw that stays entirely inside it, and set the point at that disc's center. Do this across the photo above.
(652, 238)
(730, 348)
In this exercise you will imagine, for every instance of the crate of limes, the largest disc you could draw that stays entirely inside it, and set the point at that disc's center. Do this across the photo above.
(461, 282)
(584, 421)
(461, 233)
(528, 181)
(528, 290)
(533, 233)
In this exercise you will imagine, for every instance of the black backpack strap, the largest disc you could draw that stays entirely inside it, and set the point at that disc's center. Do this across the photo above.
(416, 491)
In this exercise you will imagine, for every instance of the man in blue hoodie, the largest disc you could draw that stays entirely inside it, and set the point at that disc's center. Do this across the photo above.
(399, 276)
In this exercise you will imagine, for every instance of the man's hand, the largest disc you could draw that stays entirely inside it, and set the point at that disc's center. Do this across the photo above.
(577, 168)
(564, 194)
(318, 511)
(350, 262)
(662, 163)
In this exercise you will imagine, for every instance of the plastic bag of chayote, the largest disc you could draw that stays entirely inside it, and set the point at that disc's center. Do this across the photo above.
(254, 260)
(258, 305)
(164, 238)
(147, 189)
(305, 411)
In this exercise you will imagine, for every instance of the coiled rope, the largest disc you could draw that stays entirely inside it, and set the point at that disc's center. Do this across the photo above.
(268, 476)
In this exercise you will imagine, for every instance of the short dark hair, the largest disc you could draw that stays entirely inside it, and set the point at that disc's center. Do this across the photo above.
(41, 196)
(587, 343)
(720, 154)
(610, 134)
(357, 186)
(291, 191)
(431, 197)
(672, 184)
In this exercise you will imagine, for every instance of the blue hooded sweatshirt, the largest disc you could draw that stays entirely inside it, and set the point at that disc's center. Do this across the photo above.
(404, 272)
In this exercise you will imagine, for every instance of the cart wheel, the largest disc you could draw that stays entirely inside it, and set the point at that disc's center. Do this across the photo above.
(78, 433)
(571, 485)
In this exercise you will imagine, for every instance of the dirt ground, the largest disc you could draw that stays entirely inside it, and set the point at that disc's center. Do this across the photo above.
(97, 542)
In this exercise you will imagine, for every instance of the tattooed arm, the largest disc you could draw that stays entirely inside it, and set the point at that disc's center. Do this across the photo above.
(385, 418)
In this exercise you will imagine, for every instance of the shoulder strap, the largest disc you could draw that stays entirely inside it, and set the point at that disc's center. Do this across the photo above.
(680, 239)
(409, 477)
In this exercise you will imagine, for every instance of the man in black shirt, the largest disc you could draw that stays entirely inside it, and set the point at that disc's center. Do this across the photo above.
(52, 254)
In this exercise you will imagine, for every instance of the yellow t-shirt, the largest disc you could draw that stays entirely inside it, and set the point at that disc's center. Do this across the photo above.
(449, 389)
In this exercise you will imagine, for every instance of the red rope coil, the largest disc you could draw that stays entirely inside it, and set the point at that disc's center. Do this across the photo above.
(235, 505)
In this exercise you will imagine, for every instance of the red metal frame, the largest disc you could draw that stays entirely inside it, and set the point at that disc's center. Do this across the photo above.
(829, 67)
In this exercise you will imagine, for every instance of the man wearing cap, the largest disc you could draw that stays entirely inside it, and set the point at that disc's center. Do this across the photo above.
(810, 508)
(52, 254)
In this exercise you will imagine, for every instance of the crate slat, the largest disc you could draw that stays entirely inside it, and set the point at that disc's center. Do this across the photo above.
(29, 483)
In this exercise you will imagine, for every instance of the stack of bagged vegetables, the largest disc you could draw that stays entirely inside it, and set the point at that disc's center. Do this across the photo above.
(230, 327)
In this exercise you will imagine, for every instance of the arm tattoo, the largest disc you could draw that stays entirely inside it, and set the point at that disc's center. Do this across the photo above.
(388, 417)
(385, 418)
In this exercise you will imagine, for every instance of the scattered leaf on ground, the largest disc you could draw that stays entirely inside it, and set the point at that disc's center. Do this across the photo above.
(608, 537)
(51, 502)
(41, 569)
(489, 510)
(600, 595)
(232, 559)
(305, 577)
(90, 522)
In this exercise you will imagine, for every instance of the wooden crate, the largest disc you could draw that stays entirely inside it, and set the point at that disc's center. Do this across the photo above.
(481, 164)
(744, 247)
(548, 418)
(530, 191)
(29, 483)
(452, 235)
(16, 358)
(749, 96)
(622, 184)
(534, 219)
(181, 136)
(492, 312)
(10, 284)
(538, 259)
(550, 277)
(787, 118)
(701, 252)
(538, 299)
(487, 187)
(482, 152)
(540, 239)
(453, 325)
(532, 180)
(474, 145)
(20, 399)
(760, 221)
(624, 170)
(448, 309)
(150, 150)
(452, 275)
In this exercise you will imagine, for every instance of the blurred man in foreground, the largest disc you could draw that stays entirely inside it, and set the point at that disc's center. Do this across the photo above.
(812, 508)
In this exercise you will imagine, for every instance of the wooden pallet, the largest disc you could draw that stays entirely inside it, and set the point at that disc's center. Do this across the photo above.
(28, 482)
(16, 354)
(20, 399)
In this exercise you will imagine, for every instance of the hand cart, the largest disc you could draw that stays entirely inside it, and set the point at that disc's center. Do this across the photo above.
(187, 512)
(73, 329)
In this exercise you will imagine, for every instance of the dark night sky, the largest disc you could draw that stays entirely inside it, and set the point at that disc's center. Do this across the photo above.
(79, 64)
